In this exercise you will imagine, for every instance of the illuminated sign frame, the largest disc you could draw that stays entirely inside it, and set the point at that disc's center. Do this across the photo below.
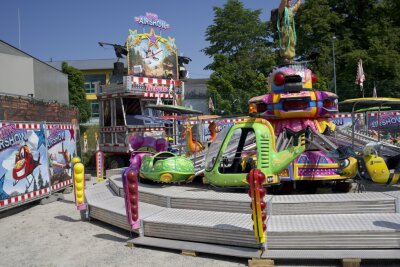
(150, 54)
(152, 20)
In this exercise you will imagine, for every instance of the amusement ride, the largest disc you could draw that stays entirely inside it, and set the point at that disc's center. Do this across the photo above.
(287, 139)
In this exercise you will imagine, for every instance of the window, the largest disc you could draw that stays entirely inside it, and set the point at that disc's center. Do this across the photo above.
(90, 88)
(230, 157)
(214, 148)
(240, 154)
(91, 80)
(95, 108)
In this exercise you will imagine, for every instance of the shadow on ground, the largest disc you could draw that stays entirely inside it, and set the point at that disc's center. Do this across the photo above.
(66, 218)
(111, 238)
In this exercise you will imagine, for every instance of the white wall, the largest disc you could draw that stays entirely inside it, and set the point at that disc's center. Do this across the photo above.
(50, 84)
(16, 75)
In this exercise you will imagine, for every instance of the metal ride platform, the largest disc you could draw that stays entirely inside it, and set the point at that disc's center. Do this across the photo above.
(320, 226)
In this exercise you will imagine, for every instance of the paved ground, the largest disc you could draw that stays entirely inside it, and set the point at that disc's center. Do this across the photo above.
(54, 235)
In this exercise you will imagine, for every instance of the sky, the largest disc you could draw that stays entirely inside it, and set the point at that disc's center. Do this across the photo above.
(71, 30)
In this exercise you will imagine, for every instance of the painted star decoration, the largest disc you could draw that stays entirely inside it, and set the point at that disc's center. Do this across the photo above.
(72, 134)
(41, 135)
(133, 38)
(136, 41)
(3, 194)
(132, 34)
(153, 38)
(171, 42)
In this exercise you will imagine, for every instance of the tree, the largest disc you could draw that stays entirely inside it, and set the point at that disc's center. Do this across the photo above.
(35, 188)
(315, 29)
(367, 30)
(242, 56)
(76, 88)
(40, 180)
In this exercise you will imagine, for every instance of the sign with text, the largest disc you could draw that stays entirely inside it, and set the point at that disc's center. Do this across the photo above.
(150, 54)
(24, 171)
(152, 20)
(387, 121)
(61, 143)
(343, 121)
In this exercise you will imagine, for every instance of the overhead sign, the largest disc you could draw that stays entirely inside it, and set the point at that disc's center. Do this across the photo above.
(149, 54)
(387, 121)
(152, 20)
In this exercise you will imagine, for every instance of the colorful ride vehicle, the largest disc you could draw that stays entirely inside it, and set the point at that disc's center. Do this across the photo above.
(167, 167)
(368, 165)
(292, 105)
(143, 146)
(244, 146)
(290, 95)
(302, 104)
(378, 161)
(151, 160)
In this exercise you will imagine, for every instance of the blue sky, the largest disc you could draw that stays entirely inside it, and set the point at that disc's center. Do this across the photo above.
(70, 30)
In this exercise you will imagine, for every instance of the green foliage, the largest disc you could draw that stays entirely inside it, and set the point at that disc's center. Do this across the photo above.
(89, 160)
(76, 88)
(315, 28)
(242, 54)
(367, 30)
(91, 131)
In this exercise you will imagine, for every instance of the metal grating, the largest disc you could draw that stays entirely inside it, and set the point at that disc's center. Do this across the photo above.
(245, 252)
(350, 207)
(112, 172)
(109, 217)
(205, 199)
(201, 226)
(194, 214)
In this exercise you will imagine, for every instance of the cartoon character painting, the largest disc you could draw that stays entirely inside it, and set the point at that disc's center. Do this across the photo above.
(65, 162)
(150, 54)
(25, 164)
(23, 160)
(61, 149)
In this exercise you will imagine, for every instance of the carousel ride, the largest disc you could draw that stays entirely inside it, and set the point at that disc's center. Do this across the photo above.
(286, 138)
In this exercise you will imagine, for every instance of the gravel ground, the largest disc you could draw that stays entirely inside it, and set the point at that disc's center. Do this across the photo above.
(54, 235)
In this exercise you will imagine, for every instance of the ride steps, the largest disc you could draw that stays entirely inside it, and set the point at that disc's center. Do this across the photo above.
(199, 198)
(354, 221)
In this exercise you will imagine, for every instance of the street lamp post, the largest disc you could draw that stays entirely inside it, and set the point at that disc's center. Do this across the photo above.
(334, 65)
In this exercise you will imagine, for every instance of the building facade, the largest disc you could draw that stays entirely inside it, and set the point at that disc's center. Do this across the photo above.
(21, 74)
(96, 72)
(99, 71)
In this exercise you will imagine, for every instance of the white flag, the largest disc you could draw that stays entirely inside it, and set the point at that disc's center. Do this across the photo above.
(360, 75)
(211, 105)
(374, 93)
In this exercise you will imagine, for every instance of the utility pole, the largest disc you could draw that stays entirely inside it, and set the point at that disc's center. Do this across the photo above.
(334, 65)
(19, 30)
